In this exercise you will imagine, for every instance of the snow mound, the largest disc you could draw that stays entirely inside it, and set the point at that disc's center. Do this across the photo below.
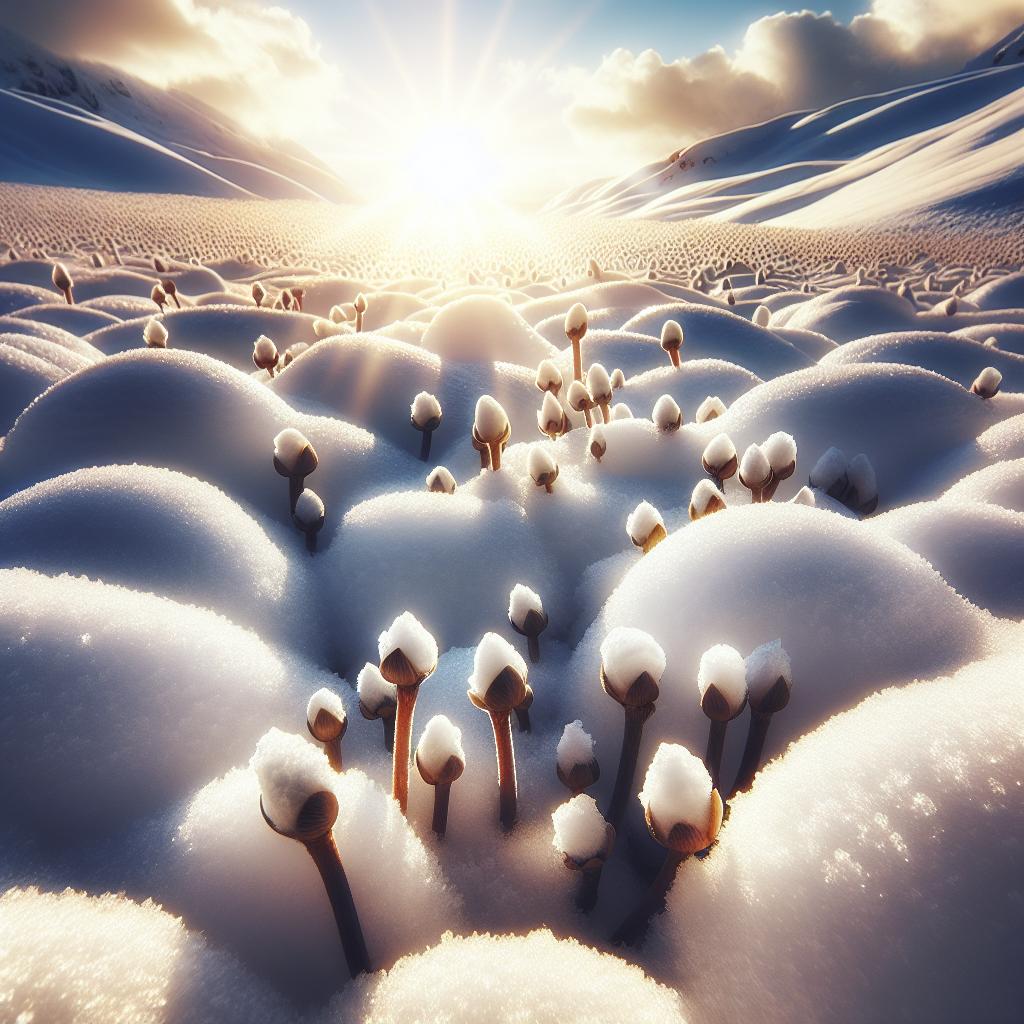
(977, 547)
(90, 960)
(894, 844)
(829, 587)
(23, 377)
(118, 702)
(482, 328)
(843, 314)
(153, 529)
(1000, 484)
(531, 979)
(259, 893)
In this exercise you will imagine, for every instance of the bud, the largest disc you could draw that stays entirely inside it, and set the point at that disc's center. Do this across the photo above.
(645, 526)
(440, 758)
(682, 809)
(527, 616)
(706, 499)
(549, 377)
(986, 384)
(711, 408)
(551, 419)
(171, 289)
(831, 474)
(769, 678)
(408, 653)
(762, 315)
(576, 323)
(576, 765)
(154, 334)
(621, 411)
(265, 355)
(599, 386)
(755, 472)
(598, 443)
(618, 379)
(542, 467)
(327, 721)
(579, 400)
(632, 664)
(498, 682)
(440, 481)
(158, 296)
(667, 416)
(721, 683)
(719, 459)
(259, 293)
(491, 432)
(672, 340)
(62, 282)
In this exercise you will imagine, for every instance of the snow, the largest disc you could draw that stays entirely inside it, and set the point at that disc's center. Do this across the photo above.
(93, 959)
(408, 635)
(441, 479)
(723, 667)
(481, 328)
(642, 522)
(374, 690)
(480, 977)
(441, 740)
(765, 666)
(522, 600)
(493, 655)
(831, 469)
(628, 653)
(425, 407)
(755, 467)
(575, 746)
(677, 789)
(875, 821)
(290, 770)
(309, 508)
(580, 829)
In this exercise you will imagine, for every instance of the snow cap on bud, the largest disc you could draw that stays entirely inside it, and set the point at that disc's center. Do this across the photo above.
(598, 442)
(290, 772)
(439, 754)
(549, 377)
(440, 481)
(621, 411)
(425, 411)
(986, 384)
(377, 697)
(755, 469)
(325, 716)
(542, 467)
(805, 496)
(780, 448)
(830, 473)
(498, 682)
(632, 664)
(719, 458)
(578, 397)
(154, 334)
(863, 486)
(490, 420)
(360, 303)
(707, 498)
(294, 453)
(408, 653)
(722, 683)
(769, 678)
(576, 322)
(309, 510)
(667, 415)
(711, 408)
(259, 293)
(525, 609)
(671, 336)
(762, 315)
(599, 383)
(618, 379)
(264, 353)
(576, 765)
(645, 526)
(581, 833)
(158, 295)
(683, 811)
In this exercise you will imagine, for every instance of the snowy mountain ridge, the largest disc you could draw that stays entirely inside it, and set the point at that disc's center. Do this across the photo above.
(69, 122)
(948, 148)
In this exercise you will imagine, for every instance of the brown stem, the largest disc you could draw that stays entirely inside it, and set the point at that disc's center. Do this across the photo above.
(359, 320)
(403, 744)
(388, 722)
(69, 298)
(333, 749)
(716, 744)
(523, 719)
(176, 302)
(673, 354)
(495, 449)
(311, 536)
(631, 735)
(439, 823)
(587, 416)
(586, 892)
(425, 445)
(577, 361)
(606, 411)
(328, 862)
(751, 752)
(296, 485)
(533, 644)
(633, 929)
(501, 724)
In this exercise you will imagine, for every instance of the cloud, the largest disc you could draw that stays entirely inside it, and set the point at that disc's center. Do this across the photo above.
(786, 61)
(258, 63)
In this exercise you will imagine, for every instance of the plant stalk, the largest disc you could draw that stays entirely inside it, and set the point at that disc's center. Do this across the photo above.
(403, 744)
(634, 928)
(328, 862)
(533, 644)
(631, 735)
(502, 726)
(439, 823)
(716, 744)
(751, 752)
(586, 893)
(425, 444)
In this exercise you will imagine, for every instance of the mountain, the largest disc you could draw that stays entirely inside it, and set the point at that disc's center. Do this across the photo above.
(68, 122)
(1009, 50)
(949, 149)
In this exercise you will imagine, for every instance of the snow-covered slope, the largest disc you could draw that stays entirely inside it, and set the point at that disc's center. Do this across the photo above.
(89, 126)
(949, 148)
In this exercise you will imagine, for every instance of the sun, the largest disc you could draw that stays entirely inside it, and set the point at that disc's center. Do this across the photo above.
(450, 163)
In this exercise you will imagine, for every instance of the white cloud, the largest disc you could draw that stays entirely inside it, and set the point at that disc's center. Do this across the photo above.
(786, 61)
(258, 63)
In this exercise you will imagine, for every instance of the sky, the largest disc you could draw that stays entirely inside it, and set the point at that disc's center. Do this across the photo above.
(516, 98)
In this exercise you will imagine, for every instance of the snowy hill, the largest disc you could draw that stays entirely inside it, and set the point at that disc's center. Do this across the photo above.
(85, 125)
(949, 148)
